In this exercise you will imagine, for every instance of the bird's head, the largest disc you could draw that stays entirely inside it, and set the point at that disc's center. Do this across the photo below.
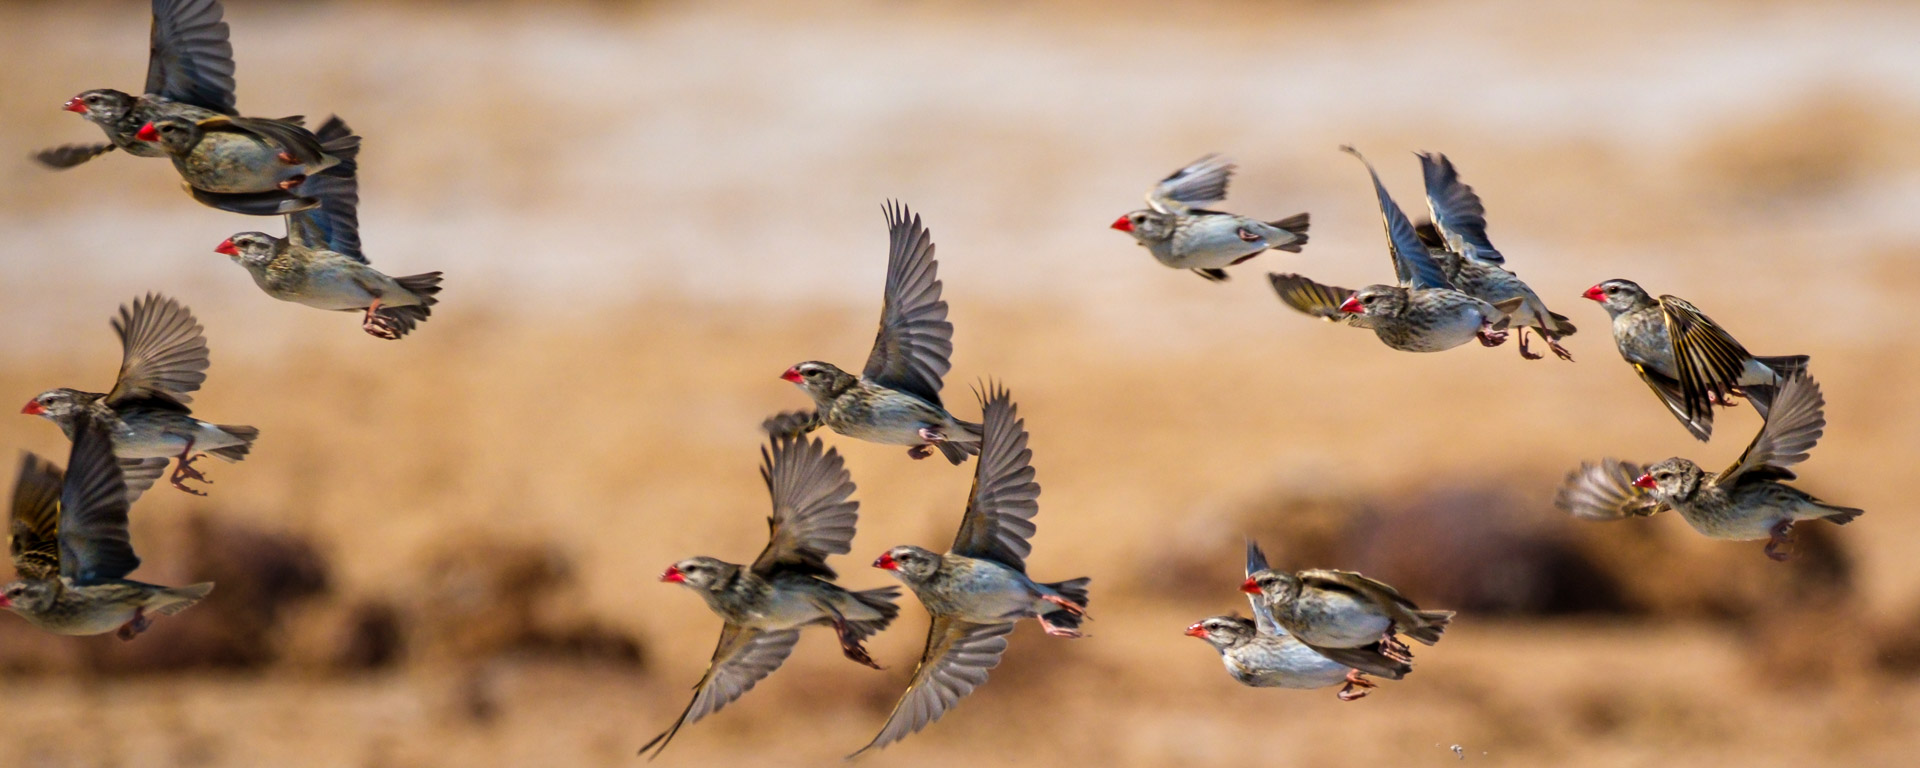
(821, 381)
(1672, 480)
(703, 573)
(1375, 300)
(1275, 586)
(57, 405)
(1618, 296)
(909, 563)
(1223, 631)
(103, 105)
(28, 596)
(1145, 226)
(176, 134)
(251, 247)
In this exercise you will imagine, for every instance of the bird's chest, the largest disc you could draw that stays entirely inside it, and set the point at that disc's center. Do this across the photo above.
(231, 163)
(1210, 242)
(77, 613)
(983, 594)
(1642, 338)
(1333, 619)
(1745, 516)
(879, 416)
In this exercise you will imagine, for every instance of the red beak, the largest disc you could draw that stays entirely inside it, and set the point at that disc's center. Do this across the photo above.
(147, 133)
(1196, 630)
(673, 575)
(1595, 294)
(75, 105)
(226, 247)
(792, 374)
(1644, 481)
(1352, 305)
(33, 408)
(886, 562)
(1123, 224)
(5, 603)
(1249, 587)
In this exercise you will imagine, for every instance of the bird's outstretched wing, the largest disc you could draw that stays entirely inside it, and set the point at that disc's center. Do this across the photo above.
(1200, 182)
(1604, 490)
(163, 354)
(812, 515)
(94, 545)
(1793, 426)
(335, 224)
(1708, 361)
(1000, 510)
(190, 59)
(956, 660)
(1456, 210)
(1314, 299)
(911, 351)
(1412, 264)
(1262, 613)
(69, 155)
(742, 658)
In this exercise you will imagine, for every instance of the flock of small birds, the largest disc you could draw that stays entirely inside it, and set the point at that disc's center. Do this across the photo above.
(1309, 629)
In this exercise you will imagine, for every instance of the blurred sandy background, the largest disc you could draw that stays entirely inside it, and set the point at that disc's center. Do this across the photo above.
(444, 551)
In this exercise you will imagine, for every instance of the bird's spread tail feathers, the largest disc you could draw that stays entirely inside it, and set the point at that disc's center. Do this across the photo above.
(958, 447)
(1295, 225)
(1074, 590)
(880, 600)
(1840, 515)
(237, 452)
(1432, 623)
(171, 601)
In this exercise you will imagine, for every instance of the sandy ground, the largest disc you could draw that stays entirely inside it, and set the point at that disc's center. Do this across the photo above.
(647, 213)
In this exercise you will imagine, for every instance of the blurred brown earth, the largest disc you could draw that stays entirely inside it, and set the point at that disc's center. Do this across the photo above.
(443, 551)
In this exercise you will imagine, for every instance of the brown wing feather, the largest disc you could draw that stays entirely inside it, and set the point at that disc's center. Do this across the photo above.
(36, 519)
(1793, 426)
(911, 351)
(163, 352)
(94, 545)
(955, 661)
(742, 658)
(812, 514)
(1605, 491)
(1005, 498)
(1707, 359)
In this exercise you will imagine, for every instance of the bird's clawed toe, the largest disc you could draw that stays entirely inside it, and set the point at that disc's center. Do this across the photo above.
(919, 452)
(1780, 541)
(1357, 687)
(184, 471)
(1559, 351)
(134, 626)
(1055, 630)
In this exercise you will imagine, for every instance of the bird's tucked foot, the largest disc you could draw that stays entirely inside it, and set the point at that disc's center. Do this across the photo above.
(284, 157)
(294, 181)
(1722, 399)
(1392, 648)
(134, 626)
(850, 644)
(378, 325)
(1780, 541)
(184, 471)
(1067, 605)
(1558, 351)
(1054, 630)
(1357, 687)
(919, 452)
(1524, 352)
(1490, 337)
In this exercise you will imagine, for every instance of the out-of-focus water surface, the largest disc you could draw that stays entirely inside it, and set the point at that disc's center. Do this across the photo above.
(646, 212)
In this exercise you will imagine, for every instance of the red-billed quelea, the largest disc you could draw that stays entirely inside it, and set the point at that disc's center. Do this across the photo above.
(1688, 360)
(189, 75)
(319, 263)
(788, 587)
(1182, 236)
(250, 165)
(71, 549)
(163, 360)
(896, 398)
(1424, 312)
(1457, 238)
(1331, 610)
(1259, 653)
(979, 589)
(1748, 501)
